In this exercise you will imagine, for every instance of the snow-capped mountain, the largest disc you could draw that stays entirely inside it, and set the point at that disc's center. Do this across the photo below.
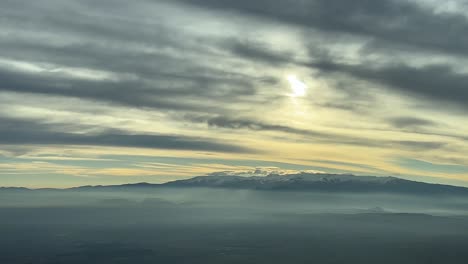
(301, 181)
(319, 182)
(273, 180)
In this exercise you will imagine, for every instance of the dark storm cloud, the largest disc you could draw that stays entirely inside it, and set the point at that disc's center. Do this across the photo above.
(389, 20)
(27, 132)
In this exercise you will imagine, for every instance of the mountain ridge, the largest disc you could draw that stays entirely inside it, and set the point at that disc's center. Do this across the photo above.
(285, 182)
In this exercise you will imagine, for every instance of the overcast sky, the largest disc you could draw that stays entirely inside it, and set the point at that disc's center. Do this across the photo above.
(107, 92)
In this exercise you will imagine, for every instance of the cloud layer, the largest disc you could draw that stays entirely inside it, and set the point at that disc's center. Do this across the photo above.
(386, 80)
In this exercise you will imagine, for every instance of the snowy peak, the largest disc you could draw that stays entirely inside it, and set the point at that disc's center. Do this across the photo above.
(304, 178)
(319, 182)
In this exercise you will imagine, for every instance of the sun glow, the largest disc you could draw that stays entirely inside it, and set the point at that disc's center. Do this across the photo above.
(298, 88)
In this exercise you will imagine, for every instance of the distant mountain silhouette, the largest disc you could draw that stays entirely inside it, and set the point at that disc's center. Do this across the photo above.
(321, 182)
(14, 189)
(290, 182)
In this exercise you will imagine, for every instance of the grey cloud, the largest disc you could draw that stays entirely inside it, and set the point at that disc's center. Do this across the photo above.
(224, 122)
(256, 51)
(115, 44)
(164, 94)
(248, 124)
(390, 20)
(410, 122)
(28, 132)
(358, 166)
(395, 23)
(341, 106)
(166, 68)
(311, 135)
(436, 82)
(419, 145)
(158, 66)
(120, 46)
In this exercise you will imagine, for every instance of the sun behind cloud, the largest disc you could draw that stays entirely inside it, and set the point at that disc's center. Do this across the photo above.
(299, 88)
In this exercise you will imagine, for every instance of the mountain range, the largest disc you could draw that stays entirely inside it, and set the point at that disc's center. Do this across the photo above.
(289, 182)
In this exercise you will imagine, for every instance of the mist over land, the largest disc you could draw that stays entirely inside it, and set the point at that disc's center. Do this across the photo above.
(229, 219)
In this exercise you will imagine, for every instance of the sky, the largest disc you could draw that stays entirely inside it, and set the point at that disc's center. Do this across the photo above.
(110, 92)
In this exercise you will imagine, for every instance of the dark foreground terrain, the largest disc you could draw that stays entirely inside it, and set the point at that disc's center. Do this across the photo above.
(209, 225)
(108, 236)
